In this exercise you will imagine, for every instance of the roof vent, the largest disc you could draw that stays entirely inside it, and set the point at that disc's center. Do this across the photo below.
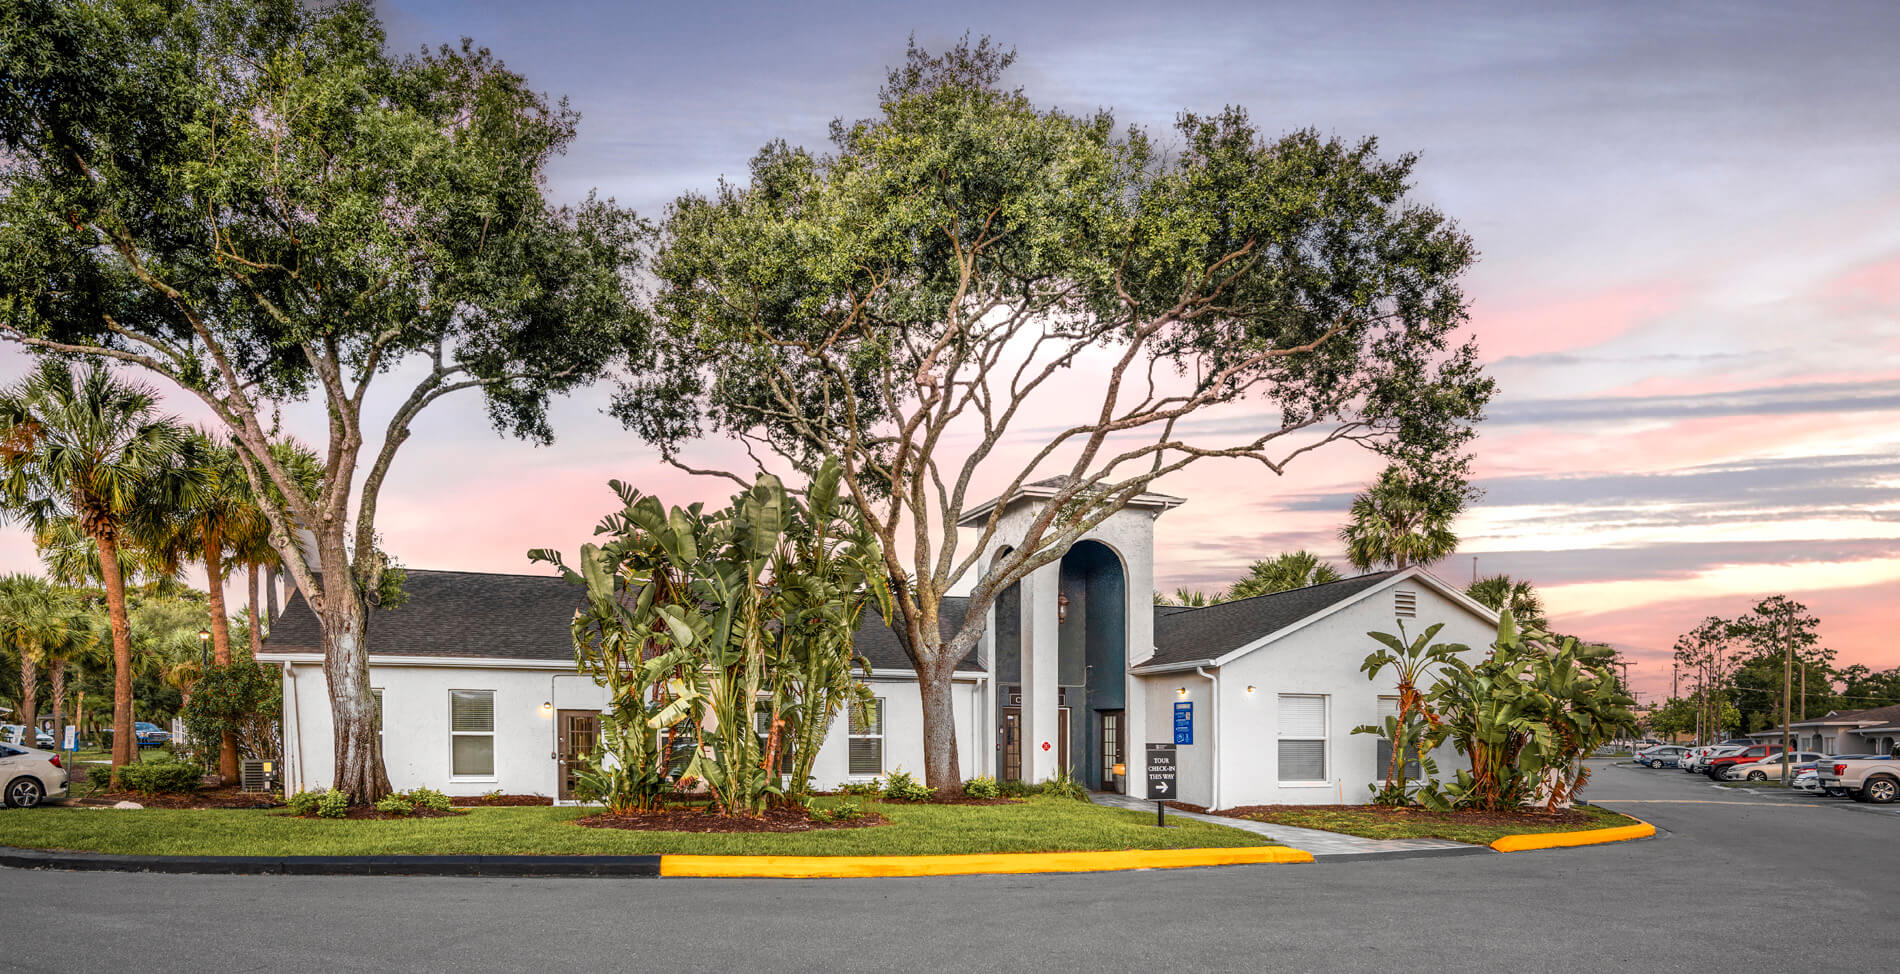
(1405, 604)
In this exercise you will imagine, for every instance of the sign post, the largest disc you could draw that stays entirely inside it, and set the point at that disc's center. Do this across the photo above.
(1161, 780)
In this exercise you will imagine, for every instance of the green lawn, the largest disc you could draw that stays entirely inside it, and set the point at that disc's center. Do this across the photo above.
(1037, 825)
(1774, 782)
(1428, 825)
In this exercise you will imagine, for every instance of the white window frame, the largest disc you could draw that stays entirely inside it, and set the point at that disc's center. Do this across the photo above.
(1325, 739)
(851, 735)
(494, 755)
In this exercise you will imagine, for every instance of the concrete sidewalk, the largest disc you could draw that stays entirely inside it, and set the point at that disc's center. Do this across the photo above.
(1320, 843)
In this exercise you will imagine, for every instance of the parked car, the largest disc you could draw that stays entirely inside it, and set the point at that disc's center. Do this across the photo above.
(30, 776)
(1698, 757)
(146, 733)
(1769, 767)
(1875, 780)
(1664, 756)
(1718, 765)
(1829, 780)
(1808, 779)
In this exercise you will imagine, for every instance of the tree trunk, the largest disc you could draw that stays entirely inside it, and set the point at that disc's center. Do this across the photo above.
(29, 694)
(124, 744)
(257, 632)
(220, 639)
(57, 670)
(941, 771)
(359, 755)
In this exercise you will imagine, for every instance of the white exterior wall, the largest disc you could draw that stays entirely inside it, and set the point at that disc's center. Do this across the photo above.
(416, 726)
(1193, 763)
(1321, 658)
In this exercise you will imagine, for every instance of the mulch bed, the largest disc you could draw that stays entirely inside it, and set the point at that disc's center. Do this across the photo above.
(1463, 816)
(498, 801)
(699, 820)
(202, 798)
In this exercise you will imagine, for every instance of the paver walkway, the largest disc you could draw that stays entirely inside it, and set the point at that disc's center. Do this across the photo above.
(1315, 841)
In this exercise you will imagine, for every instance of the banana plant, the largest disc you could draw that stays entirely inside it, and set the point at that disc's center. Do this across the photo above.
(1413, 663)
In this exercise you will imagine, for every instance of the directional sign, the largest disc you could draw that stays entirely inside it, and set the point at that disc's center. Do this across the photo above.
(1161, 784)
(1184, 722)
(72, 737)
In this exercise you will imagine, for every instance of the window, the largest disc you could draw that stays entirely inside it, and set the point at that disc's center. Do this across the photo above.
(377, 699)
(1389, 707)
(867, 738)
(1302, 737)
(472, 733)
(1405, 604)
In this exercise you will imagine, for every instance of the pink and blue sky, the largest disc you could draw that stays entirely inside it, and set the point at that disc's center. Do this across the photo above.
(1690, 288)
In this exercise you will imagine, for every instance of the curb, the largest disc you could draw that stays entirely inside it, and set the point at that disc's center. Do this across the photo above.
(780, 867)
(1558, 840)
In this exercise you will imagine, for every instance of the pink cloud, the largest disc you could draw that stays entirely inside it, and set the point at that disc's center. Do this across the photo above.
(1529, 325)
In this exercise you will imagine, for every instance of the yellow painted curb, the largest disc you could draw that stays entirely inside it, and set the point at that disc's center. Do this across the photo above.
(1556, 840)
(860, 867)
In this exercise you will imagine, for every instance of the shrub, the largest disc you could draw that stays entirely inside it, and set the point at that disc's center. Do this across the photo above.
(873, 787)
(303, 802)
(397, 804)
(1064, 785)
(160, 775)
(333, 804)
(1014, 789)
(983, 787)
(903, 788)
(430, 799)
(844, 811)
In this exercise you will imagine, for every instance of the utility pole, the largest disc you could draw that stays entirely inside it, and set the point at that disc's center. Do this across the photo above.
(1673, 688)
(1474, 569)
(1787, 701)
(1804, 691)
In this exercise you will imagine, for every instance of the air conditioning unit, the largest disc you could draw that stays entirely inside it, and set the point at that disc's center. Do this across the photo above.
(254, 774)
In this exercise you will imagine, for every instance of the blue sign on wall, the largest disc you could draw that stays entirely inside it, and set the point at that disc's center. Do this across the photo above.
(1184, 722)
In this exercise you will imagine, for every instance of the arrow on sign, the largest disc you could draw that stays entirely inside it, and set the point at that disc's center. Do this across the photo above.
(1161, 787)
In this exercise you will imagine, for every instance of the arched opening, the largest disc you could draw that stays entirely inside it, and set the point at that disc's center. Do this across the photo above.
(1092, 662)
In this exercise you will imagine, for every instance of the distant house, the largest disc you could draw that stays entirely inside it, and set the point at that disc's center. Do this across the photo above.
(1076, 671)
(1873, 731)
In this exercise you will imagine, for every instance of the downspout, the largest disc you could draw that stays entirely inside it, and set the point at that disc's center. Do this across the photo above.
(294, 779)
(1213, 735)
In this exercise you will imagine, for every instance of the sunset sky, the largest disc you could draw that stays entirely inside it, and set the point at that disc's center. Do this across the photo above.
(1689, 293)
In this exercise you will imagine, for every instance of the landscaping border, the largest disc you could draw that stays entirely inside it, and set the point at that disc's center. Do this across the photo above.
(1529, 841)
(780, 867)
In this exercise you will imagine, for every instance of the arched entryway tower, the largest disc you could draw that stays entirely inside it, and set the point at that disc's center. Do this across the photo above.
(1090, 734)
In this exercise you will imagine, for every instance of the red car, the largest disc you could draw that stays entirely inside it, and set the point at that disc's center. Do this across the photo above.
(1757, 753)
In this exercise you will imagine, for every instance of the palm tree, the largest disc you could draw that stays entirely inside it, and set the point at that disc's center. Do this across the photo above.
(1284, 573)
(1495, 592)
(1402, 520)
(33, 616)
(87, 640)
(87, 447)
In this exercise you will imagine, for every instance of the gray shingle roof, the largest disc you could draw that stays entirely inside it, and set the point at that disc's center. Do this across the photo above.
(1190, 635)
(477, 615)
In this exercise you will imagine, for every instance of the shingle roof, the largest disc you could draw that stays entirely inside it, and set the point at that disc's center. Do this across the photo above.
(477, 615)
(1205, 633)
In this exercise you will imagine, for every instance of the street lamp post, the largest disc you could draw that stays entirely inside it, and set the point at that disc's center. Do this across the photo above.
(204, 648)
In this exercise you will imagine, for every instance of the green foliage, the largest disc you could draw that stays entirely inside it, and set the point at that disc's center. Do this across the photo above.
(160, 774)
(333, 804)
(1283, 573)
(244, 699)
(875, 786)
(1404, 518)
(429, 798)
(1526, 717)
(900, 786)
(1014, 788)
(397, 804)
(1496, 592)
(1064, 785)
(1409, 730)
(843, 811)
(724, 639)
(304, 802)
(981, 787)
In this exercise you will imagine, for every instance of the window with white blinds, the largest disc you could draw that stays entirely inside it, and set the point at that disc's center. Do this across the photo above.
(472, 733)
(867, 738)
(1389, 707)
(1302, 737)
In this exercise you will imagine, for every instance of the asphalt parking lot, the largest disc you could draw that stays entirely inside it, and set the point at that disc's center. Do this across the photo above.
(1736, 880)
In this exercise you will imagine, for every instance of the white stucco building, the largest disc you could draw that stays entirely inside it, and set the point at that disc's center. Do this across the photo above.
(1077, 669)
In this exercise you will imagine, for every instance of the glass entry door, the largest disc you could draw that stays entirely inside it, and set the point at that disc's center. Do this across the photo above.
(1114, 746)
(576, 734)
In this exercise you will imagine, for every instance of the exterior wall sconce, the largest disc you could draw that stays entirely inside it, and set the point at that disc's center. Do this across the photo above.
(547, 709)
(1062, 609)
(1250, 689)
(1182, 691)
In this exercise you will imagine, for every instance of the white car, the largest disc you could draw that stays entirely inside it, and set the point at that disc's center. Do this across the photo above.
(1769, 767)
(1698, 757)
(29, 776)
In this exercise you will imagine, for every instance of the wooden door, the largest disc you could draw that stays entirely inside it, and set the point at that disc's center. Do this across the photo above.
(577, 732)
(1113, 745)
(1012, 731)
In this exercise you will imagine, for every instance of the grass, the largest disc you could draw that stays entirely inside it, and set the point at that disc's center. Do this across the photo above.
(1036, 825)
(1429, 825)
(1768, 783)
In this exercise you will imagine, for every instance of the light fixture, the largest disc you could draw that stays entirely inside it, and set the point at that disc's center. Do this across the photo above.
(1062, 608)
(1182, 691)
(1250, 689)
(204, 634)
(547, 709)
(204, 648)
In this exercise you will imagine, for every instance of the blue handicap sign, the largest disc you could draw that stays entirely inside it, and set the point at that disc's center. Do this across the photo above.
(1184, 722)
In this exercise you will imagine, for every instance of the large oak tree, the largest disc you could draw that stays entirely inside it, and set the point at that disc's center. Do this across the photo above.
(257, 202)
(918, 301)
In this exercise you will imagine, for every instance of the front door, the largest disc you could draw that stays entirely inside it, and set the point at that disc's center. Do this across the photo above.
(1013, 742)
(576, 734)
(1112, 747)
